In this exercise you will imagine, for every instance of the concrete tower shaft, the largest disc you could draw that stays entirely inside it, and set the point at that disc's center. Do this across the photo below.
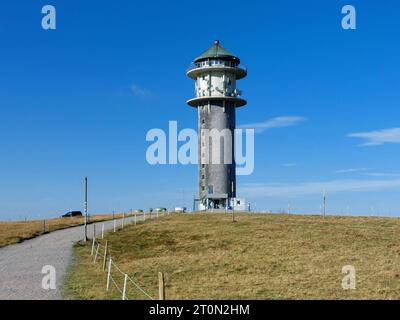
(216, 98)
(217, 170)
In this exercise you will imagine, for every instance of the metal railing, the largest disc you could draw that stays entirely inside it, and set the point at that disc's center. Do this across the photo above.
(225, 64)
(235, 94)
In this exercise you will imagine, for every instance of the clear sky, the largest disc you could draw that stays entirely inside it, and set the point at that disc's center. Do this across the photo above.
(80, 99)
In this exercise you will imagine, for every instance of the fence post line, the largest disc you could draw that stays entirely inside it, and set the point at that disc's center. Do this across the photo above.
(109, 274)
(124, 290)
(92, 246)
(97, 252)
(114, 224)
(105, 256)
(102, 231)
(161, 286)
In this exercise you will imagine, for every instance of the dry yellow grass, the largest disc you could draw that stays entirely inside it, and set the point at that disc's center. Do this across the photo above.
(258, 257)
(16, 231)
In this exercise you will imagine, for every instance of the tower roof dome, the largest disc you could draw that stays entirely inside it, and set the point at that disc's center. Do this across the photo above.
(217, 51)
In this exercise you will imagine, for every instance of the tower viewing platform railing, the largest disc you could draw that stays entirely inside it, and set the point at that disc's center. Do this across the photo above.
(238, 102)
(238, 69)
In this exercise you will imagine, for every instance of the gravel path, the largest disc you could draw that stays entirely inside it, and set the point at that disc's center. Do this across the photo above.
(21, 264)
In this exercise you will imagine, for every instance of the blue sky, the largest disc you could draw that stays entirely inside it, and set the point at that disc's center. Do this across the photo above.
(80, 99)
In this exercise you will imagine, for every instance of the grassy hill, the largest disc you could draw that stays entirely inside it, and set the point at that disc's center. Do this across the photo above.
(206, 256)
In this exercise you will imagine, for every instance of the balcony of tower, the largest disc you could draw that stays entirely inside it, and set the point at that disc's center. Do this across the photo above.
(198, 68)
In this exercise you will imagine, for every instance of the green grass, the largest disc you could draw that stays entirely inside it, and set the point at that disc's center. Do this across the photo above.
(206, 256)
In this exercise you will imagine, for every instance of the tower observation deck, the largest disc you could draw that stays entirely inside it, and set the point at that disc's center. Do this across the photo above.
(216, 99)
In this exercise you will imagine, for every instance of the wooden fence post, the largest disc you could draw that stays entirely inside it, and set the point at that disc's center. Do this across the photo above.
(97, 252)
(124, 290)
(105, 256)
(114, 224)
(161, 286)
(91, 253)
(102, 231)
(109, 274)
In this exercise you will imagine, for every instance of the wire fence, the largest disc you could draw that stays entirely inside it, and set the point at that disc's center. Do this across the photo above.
(116, 278)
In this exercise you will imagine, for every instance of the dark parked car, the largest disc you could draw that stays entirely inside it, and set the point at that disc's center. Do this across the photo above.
(72, 214)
